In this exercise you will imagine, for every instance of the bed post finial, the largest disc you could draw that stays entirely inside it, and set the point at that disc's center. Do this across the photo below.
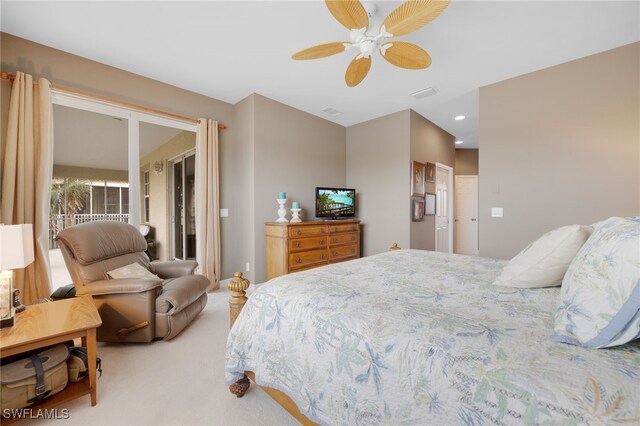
(395, 246)
(237, 287)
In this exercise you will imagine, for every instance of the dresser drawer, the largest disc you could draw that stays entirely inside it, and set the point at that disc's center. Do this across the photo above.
(344, 251)
(307, 258)
(343, 228)
(307, 231)
(310, 266)
(308, 243)
(339, 239)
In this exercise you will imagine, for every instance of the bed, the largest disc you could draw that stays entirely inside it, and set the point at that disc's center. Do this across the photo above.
(417, 337)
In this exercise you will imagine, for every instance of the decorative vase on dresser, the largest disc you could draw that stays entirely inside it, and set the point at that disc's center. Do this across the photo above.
(293, 247)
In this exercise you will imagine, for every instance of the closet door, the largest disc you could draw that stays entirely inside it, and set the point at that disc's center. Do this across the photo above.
(444, 213)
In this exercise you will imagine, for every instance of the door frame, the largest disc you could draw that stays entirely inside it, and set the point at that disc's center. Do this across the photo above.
(477, 180)
(134, 117)
(450, 205)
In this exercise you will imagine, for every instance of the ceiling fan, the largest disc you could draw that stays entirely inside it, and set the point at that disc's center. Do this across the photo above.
(408, 17)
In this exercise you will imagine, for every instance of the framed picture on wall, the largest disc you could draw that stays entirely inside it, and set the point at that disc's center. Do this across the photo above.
(430, 172)
(417, 179)
(429, 204)
(417, 210)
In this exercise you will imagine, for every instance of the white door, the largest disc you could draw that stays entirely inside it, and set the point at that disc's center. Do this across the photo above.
(466, 217)
(444, 209)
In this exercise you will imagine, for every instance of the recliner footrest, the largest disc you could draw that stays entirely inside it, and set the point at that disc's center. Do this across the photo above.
(178, 293)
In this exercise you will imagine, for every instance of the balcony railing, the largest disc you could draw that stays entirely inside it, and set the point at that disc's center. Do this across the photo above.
(59, 222)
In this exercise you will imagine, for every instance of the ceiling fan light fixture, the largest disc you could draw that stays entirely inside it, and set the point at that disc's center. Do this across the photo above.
(459, 117)
(354, 16)
(459, 142)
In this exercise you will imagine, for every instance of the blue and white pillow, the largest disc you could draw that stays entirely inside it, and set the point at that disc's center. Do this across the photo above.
(601, 290)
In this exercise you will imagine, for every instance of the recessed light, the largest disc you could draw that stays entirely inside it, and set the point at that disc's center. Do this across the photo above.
(459, 142)
(459, 117)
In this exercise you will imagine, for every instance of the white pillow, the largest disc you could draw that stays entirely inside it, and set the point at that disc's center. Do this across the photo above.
(544, 262)
(600, 296)
(135, 270)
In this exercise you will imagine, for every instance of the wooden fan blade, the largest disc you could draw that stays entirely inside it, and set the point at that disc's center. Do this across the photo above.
(320, 51)
(413, 15)
(349, 13)
(406, 55)
(357, 70)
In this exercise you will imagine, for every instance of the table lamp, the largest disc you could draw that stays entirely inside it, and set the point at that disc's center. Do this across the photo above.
(16, 251)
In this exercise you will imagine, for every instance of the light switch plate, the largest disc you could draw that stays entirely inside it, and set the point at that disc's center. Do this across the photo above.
(224, 212)
(496, 212)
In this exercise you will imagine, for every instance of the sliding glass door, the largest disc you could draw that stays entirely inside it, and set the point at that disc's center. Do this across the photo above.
(183, 210)
(112, 163)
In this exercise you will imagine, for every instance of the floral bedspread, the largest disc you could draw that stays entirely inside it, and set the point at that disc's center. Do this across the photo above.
(416, 337)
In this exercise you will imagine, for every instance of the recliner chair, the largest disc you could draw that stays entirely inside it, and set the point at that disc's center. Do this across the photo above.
(132, 309)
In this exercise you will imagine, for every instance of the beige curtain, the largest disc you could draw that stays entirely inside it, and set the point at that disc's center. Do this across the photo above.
(26, 177)
(207, 202)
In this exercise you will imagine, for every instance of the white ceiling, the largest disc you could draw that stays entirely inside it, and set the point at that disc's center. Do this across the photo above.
(228, 50)
(88, 139)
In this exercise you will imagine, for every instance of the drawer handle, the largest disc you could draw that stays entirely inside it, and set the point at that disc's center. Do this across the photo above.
(335, 240)
(299, 260)
(335, 253)
(299, 232)
(298, 244)
(322, 256)
(321, 242)
(353, 238)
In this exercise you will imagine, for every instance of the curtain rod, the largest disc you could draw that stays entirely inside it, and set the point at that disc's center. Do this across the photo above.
(11, 77)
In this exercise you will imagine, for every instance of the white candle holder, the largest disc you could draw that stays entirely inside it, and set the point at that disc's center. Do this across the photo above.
(282, 211)
(296, 216)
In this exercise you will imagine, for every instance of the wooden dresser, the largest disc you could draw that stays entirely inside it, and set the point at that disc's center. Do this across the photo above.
(293, 247)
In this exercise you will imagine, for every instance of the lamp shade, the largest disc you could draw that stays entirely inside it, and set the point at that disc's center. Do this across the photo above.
(16, 246)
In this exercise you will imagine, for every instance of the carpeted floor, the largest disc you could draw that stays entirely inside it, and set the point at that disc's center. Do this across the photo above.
(180, 382)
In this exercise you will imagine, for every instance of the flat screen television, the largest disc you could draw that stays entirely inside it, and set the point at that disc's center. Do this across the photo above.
(335, 203)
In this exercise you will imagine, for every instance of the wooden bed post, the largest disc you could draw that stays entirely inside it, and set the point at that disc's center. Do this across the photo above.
(238, 286)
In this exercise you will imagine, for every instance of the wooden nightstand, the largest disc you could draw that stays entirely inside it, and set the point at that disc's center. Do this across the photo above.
(46, 324)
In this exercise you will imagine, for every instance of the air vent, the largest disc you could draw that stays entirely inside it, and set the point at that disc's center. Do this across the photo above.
(423, 93)
(331, 111)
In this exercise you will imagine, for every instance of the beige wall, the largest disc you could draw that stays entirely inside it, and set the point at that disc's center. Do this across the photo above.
(378, 164)
(69, 70)
(429, 143)
(159, 209)
(466, 162)
(294, 152)
(244, 241)
(559, 146)
(89, 173)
